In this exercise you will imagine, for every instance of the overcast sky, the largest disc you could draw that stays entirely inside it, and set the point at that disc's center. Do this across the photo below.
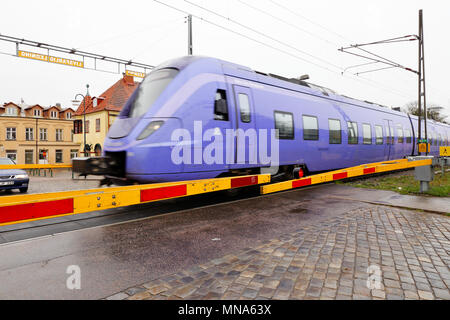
(286, 37)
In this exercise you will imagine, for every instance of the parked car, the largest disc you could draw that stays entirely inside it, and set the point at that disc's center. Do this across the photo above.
(13, 178)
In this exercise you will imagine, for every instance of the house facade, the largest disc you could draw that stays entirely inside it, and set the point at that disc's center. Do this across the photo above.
(100, 113)
(32, 134)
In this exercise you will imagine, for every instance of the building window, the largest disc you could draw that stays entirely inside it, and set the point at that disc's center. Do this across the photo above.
(400, 134)
(367, 134)
(378, 134)
(37, 112)
(97, 125)
(43, 134)
(58, 156)
(87, 126)
(68, 115)
(73, 153)
(310, 128)
(335, 133)
(440, 140)
(77, 126)
(59, 134)
(29, 134)
(11, 111)
(10, 133)
(43, 154)
(29, 156)
(244, 105)
(53, 114)
(352, 132)
(284, 124)
(12, 154)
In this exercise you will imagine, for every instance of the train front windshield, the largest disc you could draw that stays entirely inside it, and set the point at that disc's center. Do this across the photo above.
(150, 89)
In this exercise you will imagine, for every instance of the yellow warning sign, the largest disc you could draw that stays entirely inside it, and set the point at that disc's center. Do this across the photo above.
(135, 73)
(424, 147)
(46, 58)
(444, 151)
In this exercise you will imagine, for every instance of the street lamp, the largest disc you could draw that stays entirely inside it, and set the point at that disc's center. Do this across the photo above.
(84, 113)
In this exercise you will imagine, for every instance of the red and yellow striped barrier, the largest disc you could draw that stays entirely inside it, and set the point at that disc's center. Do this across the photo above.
(361, 170)
(35, 166)
(23, 208)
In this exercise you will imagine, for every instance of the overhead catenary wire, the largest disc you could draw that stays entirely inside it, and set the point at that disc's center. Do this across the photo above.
(358, 79)
(264, 35)
(288, 23)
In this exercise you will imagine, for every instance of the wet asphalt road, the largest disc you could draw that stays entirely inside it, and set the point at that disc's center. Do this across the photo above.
(118, 256)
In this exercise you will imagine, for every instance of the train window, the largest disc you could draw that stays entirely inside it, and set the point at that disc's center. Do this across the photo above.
(408, 136)
(220, 106)
(284, 124)
(149, 90)
(244, 106)
(399, 134)
(379, 134)
(391, 130)
(310, 128)
(352, 132)
(367, 134)
(335, 132)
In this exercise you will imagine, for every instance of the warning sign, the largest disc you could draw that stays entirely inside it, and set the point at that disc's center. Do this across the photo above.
(444, 152)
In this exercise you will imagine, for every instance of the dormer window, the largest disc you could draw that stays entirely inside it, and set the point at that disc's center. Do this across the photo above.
(53, 114)
(11, 111)
(37, 112)
(94, 102)
(68, 115)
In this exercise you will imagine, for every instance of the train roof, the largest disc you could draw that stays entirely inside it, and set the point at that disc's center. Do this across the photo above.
(218, 65)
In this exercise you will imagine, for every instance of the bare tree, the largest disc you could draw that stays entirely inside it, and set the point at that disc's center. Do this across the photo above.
(433, 111)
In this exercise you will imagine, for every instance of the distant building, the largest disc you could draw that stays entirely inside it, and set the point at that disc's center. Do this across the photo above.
(101, 112)
(35, 134)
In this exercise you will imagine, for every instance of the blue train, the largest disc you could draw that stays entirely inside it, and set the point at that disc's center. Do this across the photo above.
(317, 129)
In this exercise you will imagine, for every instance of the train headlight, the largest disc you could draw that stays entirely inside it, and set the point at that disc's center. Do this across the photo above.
(152, 127)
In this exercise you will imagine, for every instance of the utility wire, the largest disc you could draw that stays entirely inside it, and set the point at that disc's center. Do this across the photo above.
(144, 28)
(309, 20)
(359, 79)
(264, 35)
(288, 23)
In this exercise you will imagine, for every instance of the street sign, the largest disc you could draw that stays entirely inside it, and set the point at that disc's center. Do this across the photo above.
(46, 58)
(444, 151)
(135, 73)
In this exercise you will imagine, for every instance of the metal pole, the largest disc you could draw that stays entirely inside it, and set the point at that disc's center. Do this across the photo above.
(419, 100)
(422, 44)
(37, 153)
(190, 35)
(84, 116)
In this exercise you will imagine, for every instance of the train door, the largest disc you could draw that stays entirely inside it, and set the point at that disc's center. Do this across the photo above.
(389, 130)
(246, 135)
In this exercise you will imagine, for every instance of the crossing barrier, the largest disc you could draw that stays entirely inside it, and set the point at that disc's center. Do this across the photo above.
(24, 208)
(361, 170)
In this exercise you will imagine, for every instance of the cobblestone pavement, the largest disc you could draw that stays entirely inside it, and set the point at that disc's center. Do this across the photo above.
(330, 260)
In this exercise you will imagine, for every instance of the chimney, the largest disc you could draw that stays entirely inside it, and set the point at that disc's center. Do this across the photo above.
(128, 79)
(58, 105)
